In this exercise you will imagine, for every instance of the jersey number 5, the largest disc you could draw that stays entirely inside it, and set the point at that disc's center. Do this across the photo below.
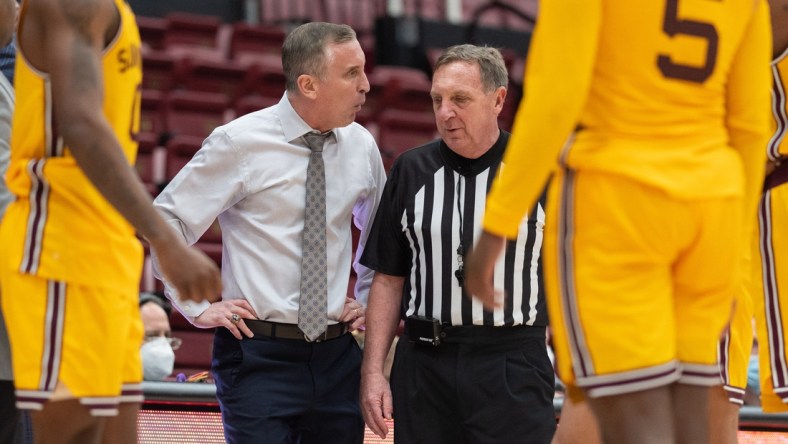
(672, 26)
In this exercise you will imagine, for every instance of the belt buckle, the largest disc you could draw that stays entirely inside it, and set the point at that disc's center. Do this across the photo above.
(320, 338)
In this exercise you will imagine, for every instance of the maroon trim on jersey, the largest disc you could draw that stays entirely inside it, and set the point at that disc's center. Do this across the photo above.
(101, 406)
(771, 297)
(53, 341)
(52, 147)
(782, 392)
(778, 111)
(31, 400)
(132, 393)
(723, 356)
(581, 360)
(706, 374)
(777, 177)
(637, 381)
(735, 394)
(38, 197)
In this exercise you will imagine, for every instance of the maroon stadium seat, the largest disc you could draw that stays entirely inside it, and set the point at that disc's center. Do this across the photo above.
(402, 130)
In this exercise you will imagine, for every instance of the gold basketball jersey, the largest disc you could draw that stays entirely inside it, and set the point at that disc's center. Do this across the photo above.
(60, 227)
(659, 91)
(657, 108)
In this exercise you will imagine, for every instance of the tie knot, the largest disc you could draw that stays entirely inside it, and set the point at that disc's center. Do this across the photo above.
(315, 140)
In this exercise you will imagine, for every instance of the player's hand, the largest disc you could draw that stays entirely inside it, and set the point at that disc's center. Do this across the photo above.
(376, 404)
(353, 314)
(229, 314)
(479, 268)
(193, 275)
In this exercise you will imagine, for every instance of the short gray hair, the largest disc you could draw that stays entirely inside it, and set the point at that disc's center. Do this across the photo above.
(490, 61)
(303, 51)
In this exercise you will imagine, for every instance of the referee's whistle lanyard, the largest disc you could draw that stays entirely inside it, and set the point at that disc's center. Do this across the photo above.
(460, 272)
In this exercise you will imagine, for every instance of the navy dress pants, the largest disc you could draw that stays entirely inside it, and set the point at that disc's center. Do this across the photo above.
(273, 390)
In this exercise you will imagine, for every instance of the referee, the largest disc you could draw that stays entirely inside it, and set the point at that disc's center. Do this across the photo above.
(460, 373)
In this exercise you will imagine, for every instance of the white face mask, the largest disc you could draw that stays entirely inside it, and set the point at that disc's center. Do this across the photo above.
(158, 359)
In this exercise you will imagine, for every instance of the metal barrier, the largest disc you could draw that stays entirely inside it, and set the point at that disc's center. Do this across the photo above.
(203, 395)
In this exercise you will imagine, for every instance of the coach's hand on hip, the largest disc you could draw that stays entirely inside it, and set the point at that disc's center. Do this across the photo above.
(228, 314)
(353, 314)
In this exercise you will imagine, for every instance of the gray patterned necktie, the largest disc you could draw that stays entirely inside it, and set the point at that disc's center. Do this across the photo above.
(312, 314)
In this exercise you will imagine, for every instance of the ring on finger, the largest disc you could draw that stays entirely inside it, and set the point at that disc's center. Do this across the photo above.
(235, 318)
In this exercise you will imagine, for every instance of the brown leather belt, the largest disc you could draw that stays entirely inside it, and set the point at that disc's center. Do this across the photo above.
(291, 331)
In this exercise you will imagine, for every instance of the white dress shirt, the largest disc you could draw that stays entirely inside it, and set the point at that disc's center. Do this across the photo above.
(251, 174)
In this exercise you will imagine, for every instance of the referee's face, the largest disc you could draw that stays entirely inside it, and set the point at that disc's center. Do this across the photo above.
(466, 116)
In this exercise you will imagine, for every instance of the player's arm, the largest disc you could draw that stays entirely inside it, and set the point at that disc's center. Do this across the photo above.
(7, 15)
(557, 81)
(72, 35)
(748, 104)
(779, 16)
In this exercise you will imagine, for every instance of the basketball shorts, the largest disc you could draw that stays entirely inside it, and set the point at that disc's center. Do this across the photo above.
(735, 346)
(83, 339)
(640, 285)
(770, 297)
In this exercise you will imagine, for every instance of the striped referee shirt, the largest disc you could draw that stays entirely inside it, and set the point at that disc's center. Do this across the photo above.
(431, 210)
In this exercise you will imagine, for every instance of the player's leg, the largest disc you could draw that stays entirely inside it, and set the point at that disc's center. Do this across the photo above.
(706, 274)
(577, 423)
(66, 421)
(122, 429)
(723, 417)
(733, 356)
(630, 418)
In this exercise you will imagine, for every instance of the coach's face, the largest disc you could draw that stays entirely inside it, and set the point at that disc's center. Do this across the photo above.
(342, 89)
(465, 114)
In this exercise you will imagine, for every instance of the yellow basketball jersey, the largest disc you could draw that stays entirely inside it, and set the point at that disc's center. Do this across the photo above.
(60, 227)
(778, 144)
(656, 110)
(658, 91)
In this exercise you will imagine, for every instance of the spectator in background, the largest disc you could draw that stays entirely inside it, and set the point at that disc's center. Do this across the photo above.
(158, 349)
(277, 378)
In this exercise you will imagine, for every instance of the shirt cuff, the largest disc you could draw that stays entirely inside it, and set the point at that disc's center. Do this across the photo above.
(188, 308)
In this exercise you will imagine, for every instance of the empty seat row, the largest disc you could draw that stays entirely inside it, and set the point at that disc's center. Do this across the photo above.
(176, 126)
(207, 37)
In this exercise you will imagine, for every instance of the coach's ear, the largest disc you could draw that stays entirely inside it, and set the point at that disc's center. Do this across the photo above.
(307, 86)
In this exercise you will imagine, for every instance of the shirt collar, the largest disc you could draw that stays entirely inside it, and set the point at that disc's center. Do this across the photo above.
(472, 167)
(293, 126)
